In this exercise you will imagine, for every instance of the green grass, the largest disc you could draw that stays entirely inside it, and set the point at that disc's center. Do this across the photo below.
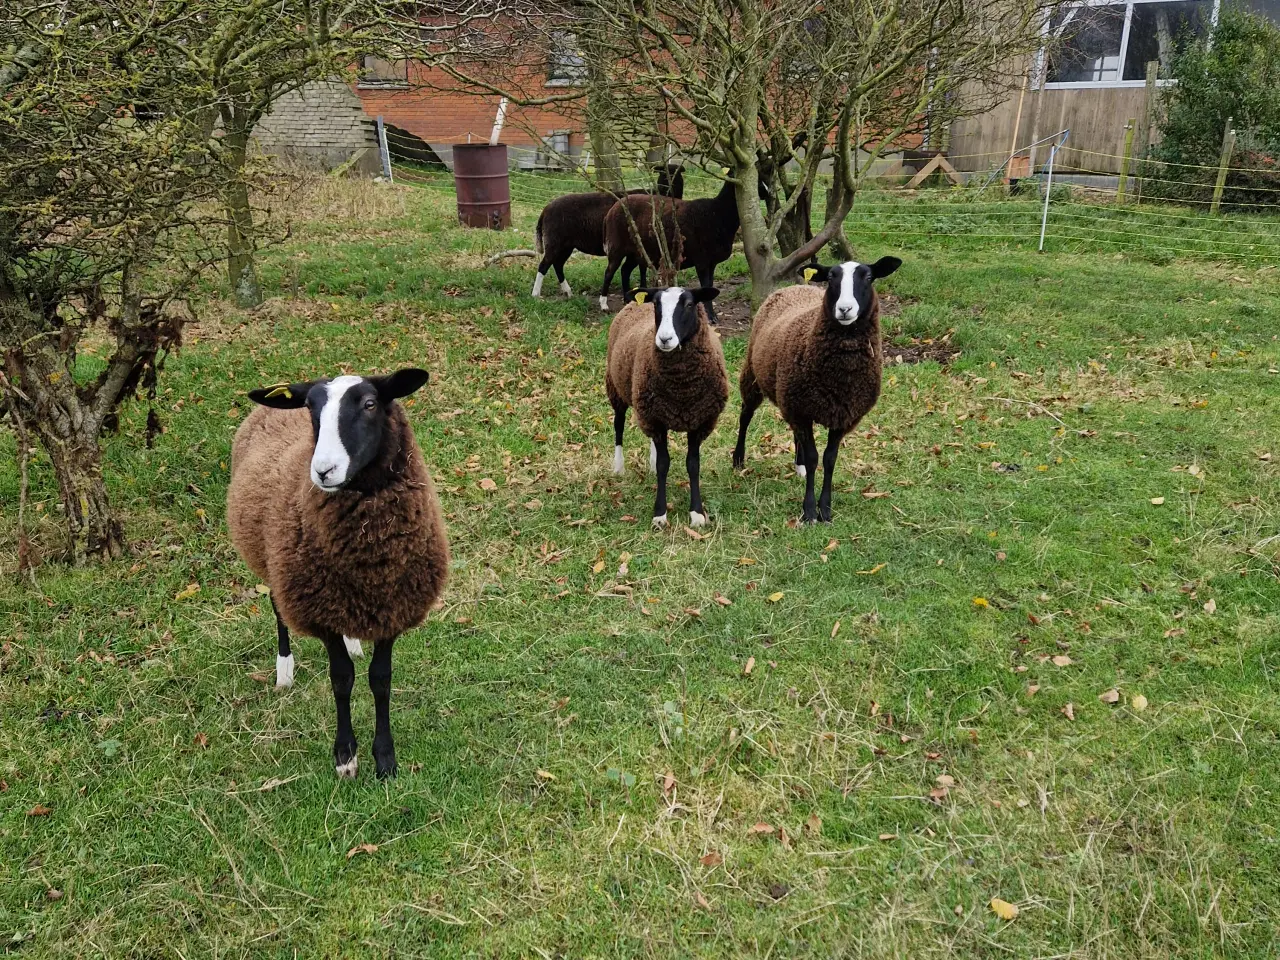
(194, 811)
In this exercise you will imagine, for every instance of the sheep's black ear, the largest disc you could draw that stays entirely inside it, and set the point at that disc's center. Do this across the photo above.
(641, 294)
(399, 384)
(885, 266)
(704, 294)
(283, 396)
(815, 273)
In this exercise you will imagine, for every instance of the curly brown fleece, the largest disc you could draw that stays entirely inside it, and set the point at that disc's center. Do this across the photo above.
(812, 369)
(684, 390)
(368, 561)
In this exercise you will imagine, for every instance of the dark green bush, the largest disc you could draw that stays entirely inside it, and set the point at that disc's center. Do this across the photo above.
(1234, 74)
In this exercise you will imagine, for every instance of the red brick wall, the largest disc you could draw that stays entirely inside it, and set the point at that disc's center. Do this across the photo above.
(439, 115)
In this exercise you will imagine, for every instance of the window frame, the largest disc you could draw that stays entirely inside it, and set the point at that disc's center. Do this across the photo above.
(365, 82)
(573, 76)
(1120, 84)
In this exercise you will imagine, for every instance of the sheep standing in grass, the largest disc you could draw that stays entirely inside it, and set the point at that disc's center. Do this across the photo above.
(816, 355)
(576, 222)
(333, 507)
(696, 233)
(674, 378)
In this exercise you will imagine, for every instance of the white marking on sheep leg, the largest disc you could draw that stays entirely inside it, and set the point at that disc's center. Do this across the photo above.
(697, 519)
(619, 464)
(347, 771)
(660, 522)
(284, 672)
(354, 649)
(801, 472)
(330, 462)
(565, 288)
(653, 457)
(604, 304)
(537, 284)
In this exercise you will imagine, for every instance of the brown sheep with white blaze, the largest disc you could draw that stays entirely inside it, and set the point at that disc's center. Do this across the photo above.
(816, 354)
(674, 378)
(333, 507)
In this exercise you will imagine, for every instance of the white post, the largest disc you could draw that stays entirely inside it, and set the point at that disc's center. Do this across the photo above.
(1048, 189)
(498, 121)
(384, 154)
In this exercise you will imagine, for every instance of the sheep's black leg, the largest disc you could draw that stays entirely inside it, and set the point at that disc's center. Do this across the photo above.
(610, 269)
(644, 272)
(805, 434)
(663, 463)
(619, 421)
(752, 397)
(384, 748)
(284, 656)
(564, 284)
(707, 278)
(828, 468)
(628, 265)
(693, 463)
(342, 675)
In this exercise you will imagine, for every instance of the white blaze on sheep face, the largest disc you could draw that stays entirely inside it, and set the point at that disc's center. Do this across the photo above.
(666, 338)
(847, 308)
(331, 461)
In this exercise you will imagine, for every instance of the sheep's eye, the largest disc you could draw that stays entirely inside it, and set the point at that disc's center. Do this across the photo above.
(370, 403)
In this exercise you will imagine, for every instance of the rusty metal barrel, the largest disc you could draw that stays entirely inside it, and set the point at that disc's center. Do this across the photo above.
(483, 185)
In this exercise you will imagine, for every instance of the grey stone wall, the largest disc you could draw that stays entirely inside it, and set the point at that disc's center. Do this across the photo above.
(322, 124)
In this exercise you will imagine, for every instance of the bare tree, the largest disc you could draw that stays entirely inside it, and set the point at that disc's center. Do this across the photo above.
(788, 90)
(105, 166)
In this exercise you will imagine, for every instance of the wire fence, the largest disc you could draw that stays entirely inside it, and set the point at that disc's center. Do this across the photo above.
(1080, 219)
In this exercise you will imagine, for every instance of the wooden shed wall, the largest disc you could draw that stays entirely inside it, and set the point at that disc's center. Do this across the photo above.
(1095, 117)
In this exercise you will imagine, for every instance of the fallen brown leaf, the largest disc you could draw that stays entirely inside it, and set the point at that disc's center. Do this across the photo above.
(1062, 660)
(813, 825)
(694, 534)
(202, 741)
(1139, 703)
(544, 775)
(1033, 689)
(888, 836)
(723, 600)
(711, 859)
(775, 597)
(487, 484)
(835, 629)
(749, 666)
(701, 901)
(1110, 696)
(39, 810)
(760, 828)
(945, 780)
(668, 782)
(1211, 607)
(362, 848)
(746, 562)
(1069, 711)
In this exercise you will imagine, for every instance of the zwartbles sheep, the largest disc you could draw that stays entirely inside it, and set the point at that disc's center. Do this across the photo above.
(331, 504)
(667, 363)
(816, 354)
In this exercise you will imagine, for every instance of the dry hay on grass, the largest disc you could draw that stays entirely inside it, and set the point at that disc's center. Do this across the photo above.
(312, 196)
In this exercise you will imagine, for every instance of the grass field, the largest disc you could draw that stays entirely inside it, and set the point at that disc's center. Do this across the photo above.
(767, 741)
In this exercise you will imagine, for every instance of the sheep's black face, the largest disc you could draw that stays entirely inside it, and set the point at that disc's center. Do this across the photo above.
(850, 291)
(348, 419)
(675, 312)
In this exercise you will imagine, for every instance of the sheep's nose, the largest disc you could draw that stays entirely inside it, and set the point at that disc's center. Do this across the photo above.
(323, 473)
(666, 341)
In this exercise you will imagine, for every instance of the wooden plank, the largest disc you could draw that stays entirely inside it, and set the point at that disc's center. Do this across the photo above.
(923, 175)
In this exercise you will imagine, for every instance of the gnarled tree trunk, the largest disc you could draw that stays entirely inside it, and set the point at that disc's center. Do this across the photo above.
(242, 271)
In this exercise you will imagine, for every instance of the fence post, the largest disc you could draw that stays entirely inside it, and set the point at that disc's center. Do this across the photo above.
(1144, 129)
(1048, 189)
(1124, 159)
(1224, 164)
(384, 154)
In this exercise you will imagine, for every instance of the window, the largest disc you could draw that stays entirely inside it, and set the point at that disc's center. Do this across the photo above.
(565, 63)
(1110, 44)
(377, 72)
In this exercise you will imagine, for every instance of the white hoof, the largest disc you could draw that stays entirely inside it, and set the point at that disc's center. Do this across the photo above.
(284, 671)
(660, 523)
(353, 646)
(604, 304)
(347, 771)
(801, 472)
(565, 289)
(537, 285)
(653, 457)
(619, 465)
(697, 519)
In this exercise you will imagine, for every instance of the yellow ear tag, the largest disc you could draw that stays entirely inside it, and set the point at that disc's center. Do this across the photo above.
(640, 297)
(280, 391)
(809, 274)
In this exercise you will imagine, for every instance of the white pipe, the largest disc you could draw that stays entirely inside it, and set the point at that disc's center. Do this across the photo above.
(498, 121)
